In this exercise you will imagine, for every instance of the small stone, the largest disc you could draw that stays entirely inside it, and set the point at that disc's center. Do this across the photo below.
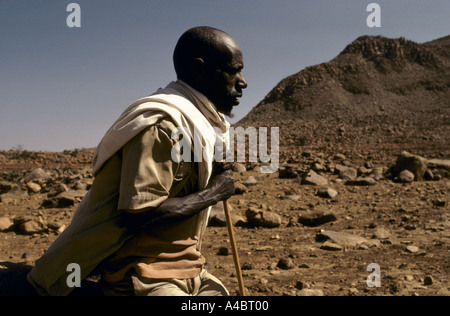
(348, 173)
(412, 249)
(406, 176)
(409, 278)
(5, 223)
(238, 167)
(64, 199)
(317, 218)
(304, 266)
(312, 178)
(361, 181)
(223, 251)
(343, 239)
(37, 174)
(262, 218)
(25, 255)
(292, 197)
(285, 264)
(381, 233)
(16, 191)
(31, 227)
(439, 203)
(287, 173)
(328, 245)
(247, 266)
(33, 187)
(339, 157)
(428, 280)
(300, 285)
(327, 193)
(79, 186)
(239, 188)
(249, 181)
(310, 292)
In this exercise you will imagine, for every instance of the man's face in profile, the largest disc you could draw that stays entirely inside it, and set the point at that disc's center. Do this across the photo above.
(224, 80)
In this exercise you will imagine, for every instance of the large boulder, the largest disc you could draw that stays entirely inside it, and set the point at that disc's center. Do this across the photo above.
(415, 164)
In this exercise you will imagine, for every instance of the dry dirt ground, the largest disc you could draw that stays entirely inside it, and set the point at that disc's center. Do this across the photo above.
(400, 215)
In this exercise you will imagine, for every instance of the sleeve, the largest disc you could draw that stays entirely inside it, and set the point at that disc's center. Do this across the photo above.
(147, 170)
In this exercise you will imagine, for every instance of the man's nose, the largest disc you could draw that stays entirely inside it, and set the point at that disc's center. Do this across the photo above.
(242, 83)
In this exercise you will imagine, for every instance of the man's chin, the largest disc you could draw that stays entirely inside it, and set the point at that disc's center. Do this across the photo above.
(230, 115)
(226, 110)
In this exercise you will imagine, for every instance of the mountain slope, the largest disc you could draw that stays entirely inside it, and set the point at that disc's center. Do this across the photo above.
(376, 93)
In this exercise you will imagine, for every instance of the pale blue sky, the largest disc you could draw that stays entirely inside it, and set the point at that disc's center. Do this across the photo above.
(62, 88)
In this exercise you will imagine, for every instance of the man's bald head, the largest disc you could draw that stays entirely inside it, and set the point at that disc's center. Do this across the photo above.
(199, 42)
(211, 61)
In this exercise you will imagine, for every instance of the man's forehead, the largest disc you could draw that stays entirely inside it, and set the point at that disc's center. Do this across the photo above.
(230, 48)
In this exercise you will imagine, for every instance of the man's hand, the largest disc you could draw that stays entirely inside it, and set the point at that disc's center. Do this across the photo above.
(221, 185)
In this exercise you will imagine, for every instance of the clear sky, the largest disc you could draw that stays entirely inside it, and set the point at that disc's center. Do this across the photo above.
(62, 88)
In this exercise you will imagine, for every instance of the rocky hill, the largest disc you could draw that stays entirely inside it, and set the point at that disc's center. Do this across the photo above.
(379, 94)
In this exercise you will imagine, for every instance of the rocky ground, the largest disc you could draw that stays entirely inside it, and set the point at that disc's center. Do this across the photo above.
(346, 208)
(311, 228)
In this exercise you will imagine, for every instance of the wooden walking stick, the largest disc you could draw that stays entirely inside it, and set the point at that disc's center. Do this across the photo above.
(234, 247)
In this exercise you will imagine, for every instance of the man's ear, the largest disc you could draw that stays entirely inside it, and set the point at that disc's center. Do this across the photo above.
(198, 68)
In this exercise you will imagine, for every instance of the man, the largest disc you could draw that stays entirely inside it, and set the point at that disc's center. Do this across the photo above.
(142, 221)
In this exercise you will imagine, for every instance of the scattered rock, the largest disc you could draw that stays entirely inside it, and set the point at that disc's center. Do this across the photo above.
(247, 266)
(217, 217)
(317, 218)
(238, 167)
(406, 176)
(412, 249)
(16, 191)
(292, 197)
(343, 239)
(328, 245)
(65, 199)
(5, 187)
(31, 227)
(310, 292)
(300, 285)
(415, 164)
(285, 264)
(239, 188)
(287, 172)
(312, 178)
(361, 181)
(428, 280)
(223, 251)
(439, 163)
(249, 181)
(57, 189)
(348, 173)
(327, 192)
(33, 187)
(5, 224)
(37, 174)
(262, 218)
(381, 233)
(339, 157)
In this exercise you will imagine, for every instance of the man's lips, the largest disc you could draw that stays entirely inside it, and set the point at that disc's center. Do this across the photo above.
(236, 100)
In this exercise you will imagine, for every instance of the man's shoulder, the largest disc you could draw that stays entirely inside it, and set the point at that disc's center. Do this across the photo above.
(165, 125)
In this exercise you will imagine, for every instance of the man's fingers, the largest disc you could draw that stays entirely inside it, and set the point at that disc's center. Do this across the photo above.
(222, 166)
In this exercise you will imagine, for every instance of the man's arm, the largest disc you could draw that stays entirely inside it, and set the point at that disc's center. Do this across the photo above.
(175, 209)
